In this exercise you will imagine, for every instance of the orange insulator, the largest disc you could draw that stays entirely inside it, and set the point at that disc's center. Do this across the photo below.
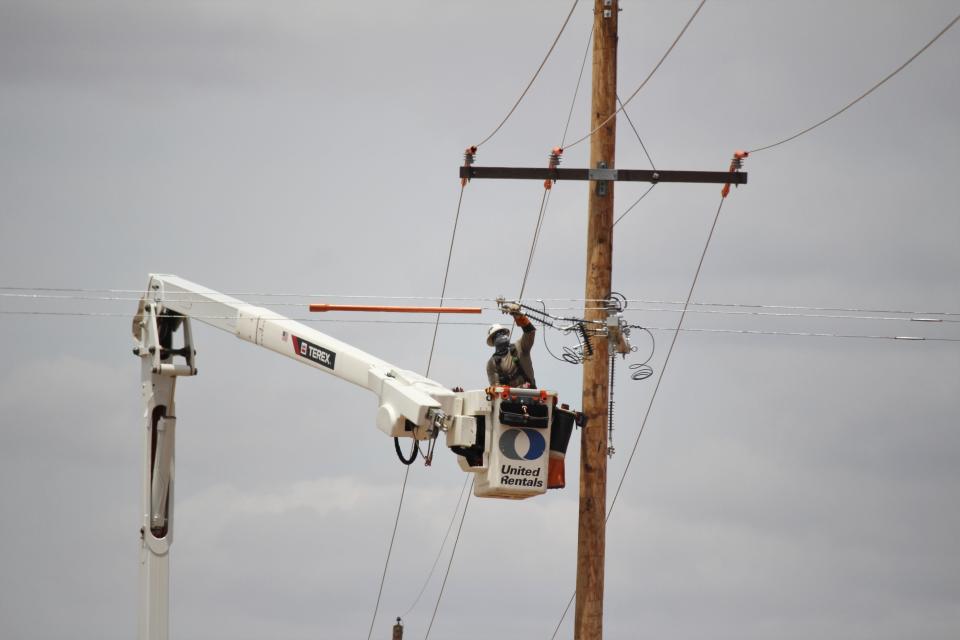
(735, 165)
(554, 162)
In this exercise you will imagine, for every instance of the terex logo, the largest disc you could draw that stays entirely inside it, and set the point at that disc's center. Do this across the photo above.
(536, 444)
(313, 352)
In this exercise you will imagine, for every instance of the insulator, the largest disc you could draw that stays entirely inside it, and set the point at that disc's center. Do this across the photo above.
(585, 340)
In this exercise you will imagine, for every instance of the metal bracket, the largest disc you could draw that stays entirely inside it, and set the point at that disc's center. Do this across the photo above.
(147, 334)
(604, 175)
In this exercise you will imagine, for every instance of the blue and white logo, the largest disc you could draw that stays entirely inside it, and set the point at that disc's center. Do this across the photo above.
(511, 444)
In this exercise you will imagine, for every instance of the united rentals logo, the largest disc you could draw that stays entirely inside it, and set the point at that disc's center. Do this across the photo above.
(310, 351)
(536, 444)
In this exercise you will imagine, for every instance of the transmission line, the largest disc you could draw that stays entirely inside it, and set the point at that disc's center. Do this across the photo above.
(536, 73)
(406, 473)
(863, 95)
(645, 81)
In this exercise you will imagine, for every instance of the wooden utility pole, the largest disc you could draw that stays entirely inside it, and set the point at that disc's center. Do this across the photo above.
(591, 535)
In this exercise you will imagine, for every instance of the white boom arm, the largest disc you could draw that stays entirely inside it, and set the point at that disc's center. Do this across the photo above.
(502, 435)
(410, 404)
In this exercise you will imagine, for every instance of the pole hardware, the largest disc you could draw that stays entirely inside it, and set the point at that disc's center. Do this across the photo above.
(602, 175)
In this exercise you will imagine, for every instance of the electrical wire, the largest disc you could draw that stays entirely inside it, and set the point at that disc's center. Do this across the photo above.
(393, 537)
(915, 316)
(645, 81)
(406, 473)
(775, 314)
(453, 553)
(637, 133)
(544, 203)
(536, 73)
(446, 536)
(446, 273)
(808, 334)
(576, 91)
(653, 395)
(139, 293)
(635, 203)
(478, 324)
(545, 200)
(863, 95)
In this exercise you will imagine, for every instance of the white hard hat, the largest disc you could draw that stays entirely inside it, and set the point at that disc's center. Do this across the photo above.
(494, 330)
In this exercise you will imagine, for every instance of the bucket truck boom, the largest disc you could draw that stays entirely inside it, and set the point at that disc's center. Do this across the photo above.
(513, 440)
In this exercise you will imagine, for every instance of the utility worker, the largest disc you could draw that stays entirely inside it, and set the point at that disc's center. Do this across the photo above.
(510, 365)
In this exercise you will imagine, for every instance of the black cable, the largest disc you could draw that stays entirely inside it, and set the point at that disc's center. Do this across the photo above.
(393, 536)
(643, 370)
(413, 452)
(863, 95)
(545, 344)
(646, 80)
(637, 133)
(396, 443)
(453, 553)
(536, 73)
(446, 273)
(453, 518)
(545, 200)
(635, 203)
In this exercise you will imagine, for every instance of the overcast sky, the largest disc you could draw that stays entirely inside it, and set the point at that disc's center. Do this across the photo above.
(784, 486)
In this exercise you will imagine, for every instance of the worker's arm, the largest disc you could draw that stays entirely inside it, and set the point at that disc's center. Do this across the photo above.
(492, 376)
(529, 332)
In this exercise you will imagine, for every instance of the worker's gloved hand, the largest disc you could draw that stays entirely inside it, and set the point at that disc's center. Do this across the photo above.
(510, 307)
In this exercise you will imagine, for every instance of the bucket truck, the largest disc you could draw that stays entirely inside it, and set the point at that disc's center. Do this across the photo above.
(512, 440)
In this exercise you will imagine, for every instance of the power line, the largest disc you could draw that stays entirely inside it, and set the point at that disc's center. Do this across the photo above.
(639, 139)
(576, 91)
(863, 95)
(635, 203)
(434, 298)
(807, 334)
(446, 536)
(800, 308)
(653, 396)
(645, 81)
(406, 473)
(796, 315)
(544, 206)
(536, 73)
(545, 200)
(909, 316)
(393, 536)
(446, 273)
(477, 324)
(264, 294)
(453, 553)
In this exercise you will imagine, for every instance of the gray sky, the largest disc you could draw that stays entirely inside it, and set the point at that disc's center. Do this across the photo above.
(787, 487)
